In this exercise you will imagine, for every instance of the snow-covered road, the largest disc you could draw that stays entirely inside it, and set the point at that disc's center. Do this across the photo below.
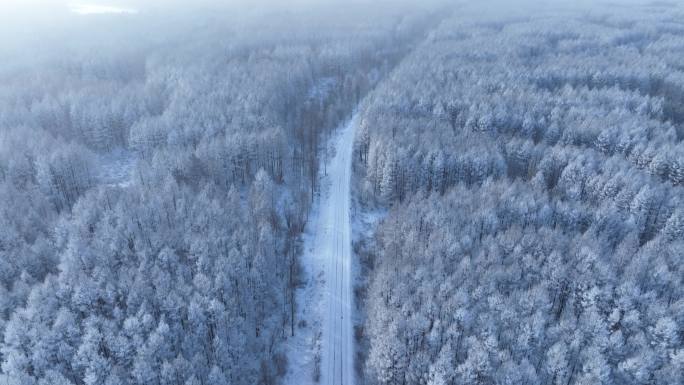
(337, 367)
(326, 303)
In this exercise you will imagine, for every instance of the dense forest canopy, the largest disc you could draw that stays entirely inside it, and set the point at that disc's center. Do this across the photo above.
(156, 172)
(159, 164)
(533, 162)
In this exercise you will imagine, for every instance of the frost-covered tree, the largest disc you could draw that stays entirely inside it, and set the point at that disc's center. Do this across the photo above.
(528, 159)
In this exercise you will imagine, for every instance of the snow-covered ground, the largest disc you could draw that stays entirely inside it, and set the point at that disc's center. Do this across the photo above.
(325, 344)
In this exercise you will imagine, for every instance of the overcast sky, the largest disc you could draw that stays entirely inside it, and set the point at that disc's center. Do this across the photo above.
(140, 5)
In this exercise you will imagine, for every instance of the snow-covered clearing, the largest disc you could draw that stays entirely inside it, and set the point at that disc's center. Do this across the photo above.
(323, 349)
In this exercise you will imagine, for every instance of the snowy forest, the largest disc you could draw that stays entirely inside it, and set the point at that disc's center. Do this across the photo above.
(533, 167)
(516, 199)
(153, 192)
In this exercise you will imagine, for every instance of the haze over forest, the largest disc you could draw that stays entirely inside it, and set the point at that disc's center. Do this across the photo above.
(341, 192)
